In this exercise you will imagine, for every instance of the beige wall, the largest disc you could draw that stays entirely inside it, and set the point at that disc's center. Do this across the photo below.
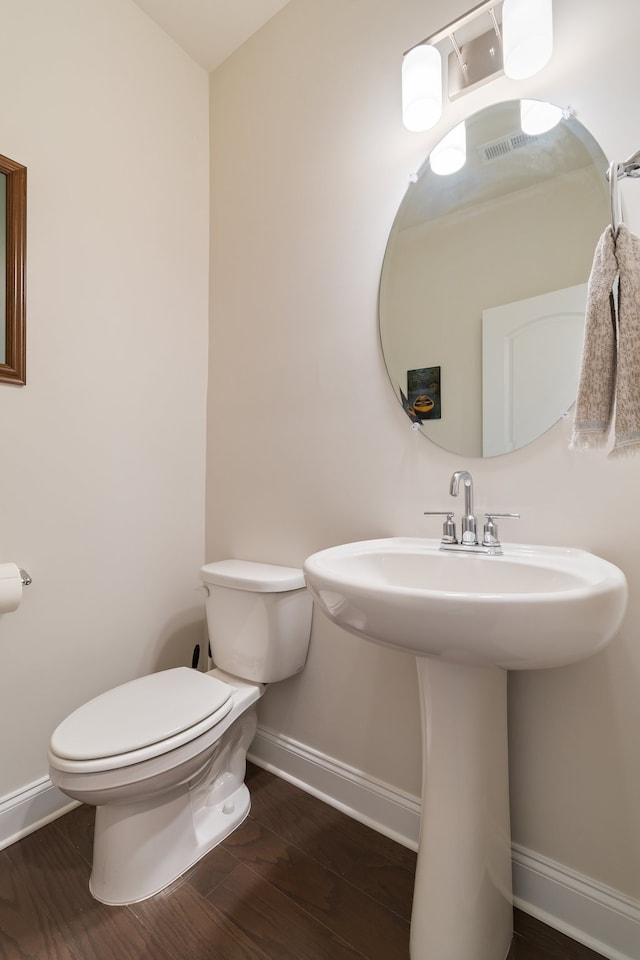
(308, 446)
(102, 453)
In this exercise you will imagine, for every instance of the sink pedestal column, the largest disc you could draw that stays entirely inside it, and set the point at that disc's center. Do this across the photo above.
(462, 905)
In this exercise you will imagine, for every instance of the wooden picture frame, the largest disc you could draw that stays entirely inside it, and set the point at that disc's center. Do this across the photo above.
(13, 365)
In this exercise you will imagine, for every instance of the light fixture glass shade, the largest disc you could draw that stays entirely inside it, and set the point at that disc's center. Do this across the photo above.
(537, 116)
(527, 31)
(421, 88)
(450, 155)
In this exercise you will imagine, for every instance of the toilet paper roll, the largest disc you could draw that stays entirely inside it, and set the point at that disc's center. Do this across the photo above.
(10, 587)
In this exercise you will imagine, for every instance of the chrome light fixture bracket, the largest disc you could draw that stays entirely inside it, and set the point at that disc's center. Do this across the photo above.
(475, 59)
(474, 63)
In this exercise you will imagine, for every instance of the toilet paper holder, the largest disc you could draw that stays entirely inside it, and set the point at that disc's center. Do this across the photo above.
(25, 577)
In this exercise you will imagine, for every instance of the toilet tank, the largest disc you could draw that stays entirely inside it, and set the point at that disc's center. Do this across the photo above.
(258, 617)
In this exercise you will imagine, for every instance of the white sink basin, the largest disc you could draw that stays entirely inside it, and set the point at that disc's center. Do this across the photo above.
(530, 608)
(467, 618)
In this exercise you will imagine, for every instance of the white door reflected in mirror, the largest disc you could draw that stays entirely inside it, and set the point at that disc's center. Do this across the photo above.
(530, 366)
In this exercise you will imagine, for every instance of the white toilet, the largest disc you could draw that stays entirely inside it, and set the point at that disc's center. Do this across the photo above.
(163, 757)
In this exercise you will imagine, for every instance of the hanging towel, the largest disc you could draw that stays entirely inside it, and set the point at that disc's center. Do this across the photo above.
(627, 414)
(596, 387)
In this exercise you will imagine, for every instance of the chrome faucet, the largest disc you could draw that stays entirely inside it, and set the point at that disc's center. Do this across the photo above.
(469, 539)
(469, 525)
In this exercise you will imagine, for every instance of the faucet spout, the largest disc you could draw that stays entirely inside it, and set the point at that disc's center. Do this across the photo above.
(469, 535)
(454, 489)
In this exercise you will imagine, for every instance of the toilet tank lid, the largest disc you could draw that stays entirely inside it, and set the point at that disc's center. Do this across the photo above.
(248, 575)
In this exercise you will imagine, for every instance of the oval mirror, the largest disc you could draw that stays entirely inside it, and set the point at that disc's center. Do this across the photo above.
(483, 284)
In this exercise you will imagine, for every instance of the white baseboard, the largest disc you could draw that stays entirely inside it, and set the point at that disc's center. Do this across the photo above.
(374, 803)
(587, 911)
(583, 909)
(29, 809)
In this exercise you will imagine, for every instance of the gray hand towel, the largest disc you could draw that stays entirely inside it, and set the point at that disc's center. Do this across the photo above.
(627, 415)
(594, 406)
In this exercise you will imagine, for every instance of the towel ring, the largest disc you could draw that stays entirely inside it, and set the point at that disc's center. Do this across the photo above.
(614, 193)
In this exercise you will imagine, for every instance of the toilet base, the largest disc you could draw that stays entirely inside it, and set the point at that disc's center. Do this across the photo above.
(137, 853)
(140, 848)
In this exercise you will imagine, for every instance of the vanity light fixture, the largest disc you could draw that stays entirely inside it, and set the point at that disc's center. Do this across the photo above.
(421, 87)
(518, 42)
(527, 27)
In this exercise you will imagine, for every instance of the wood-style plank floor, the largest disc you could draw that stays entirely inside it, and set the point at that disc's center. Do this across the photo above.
(297, 881)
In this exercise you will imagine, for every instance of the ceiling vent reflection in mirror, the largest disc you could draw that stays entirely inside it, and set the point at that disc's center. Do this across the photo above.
(500, 148)
(514, 37)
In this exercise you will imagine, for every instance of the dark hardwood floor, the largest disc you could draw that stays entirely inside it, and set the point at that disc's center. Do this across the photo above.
(297, 881)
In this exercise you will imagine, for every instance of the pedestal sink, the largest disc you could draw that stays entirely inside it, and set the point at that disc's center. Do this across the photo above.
(468, 618)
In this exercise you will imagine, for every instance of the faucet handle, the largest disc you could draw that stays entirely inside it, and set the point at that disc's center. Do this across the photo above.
(448, 527)
(490, 536)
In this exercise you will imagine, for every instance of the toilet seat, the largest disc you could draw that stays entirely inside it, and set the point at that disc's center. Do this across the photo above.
(140, 720)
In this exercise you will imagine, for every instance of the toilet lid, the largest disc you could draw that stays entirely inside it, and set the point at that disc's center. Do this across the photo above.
(142, 712)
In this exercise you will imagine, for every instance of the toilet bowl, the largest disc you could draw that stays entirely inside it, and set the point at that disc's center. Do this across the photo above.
(163, 757)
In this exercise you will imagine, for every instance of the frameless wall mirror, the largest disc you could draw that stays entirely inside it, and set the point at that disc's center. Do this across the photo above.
(13, 222)
(483, 285)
